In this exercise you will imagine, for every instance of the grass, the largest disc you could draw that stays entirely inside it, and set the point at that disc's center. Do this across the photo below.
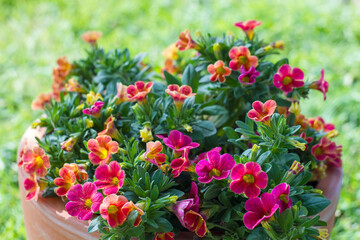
(318, 34)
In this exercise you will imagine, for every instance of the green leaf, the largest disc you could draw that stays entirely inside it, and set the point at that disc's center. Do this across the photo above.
(207, 128)
(212, 192)
(189, 78)
(263, 157)
(258, 233)
(213, 110)
(170, 79)
(93, 226)
(154, 193)
(286, 220)
(132, 217)
(164, 225)
(314, 203)
(230, 133)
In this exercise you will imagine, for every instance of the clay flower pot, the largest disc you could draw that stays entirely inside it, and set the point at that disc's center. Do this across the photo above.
(47, 218)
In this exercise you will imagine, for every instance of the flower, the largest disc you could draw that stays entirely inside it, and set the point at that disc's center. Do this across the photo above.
(89, 123)
(36, 162)
(66, 180)
(180, 208)
(171, 52)
(275, 45)
(185, 41)
(259, 209)
(78, 170)
(327, 150)
(323, 234)
(164, 236)
(62, 70)
(319, 124)
(321, 85)
(302, 121)
(110, 177)
(91, 98)
(101, 149)
(216, 166)
(41, 100)
(241, 56)
(121, 95)
(296, 168)
(91, 37)
(203, 156)
(288, 78)
(138, 91)
(195, 223)
(295, 108)
(262, 112)
(179, 94)
(179, 142)
(218, 71)
(33, 187)
(181, 164)
(146, 134)
(153, 153)
(95, 109)
(307, 139)
(129, 207)
(281, 195)
(283, 111)
(73, 86)
(248, 27)
(110, 129)
(247, 77)
(69, 144)
(170, 67)
(84, 201)
(248, 179)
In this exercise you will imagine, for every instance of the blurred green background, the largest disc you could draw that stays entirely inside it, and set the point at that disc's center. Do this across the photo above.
(318, 34)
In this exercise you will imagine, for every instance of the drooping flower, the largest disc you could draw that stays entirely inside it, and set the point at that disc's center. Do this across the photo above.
(36, 162)
(91, 37)
(153, 153)
(69, 144)
(321, 85)
(283, 111)
(89, 123)
(110, 129)
(323, 234)
(84, 200)
(146, 134)
(307, 139)
(259, 209)
(302, 121)
(179, 94)
(247, 77)
(33, 186)
(164, 236)
(138, 91)
(180, 208)
(288, 78)
(110, 177)
(95, 109)
(262, 112)
(296, 168)
(216, 166)
(275, 45)
(171, 52)
(195, 223)
(66, 180)
(179, 142)
(327, 150)
(181, 164)
(128, 208)
(73, 86)
(281, 195)
(91, 98)
(185, 41)
(41, 101)
(78, 170)
(241, 56)
(101, 149)
(219, 71)
(121, 95)
(248, 179)
(248, 27)
(295, 108)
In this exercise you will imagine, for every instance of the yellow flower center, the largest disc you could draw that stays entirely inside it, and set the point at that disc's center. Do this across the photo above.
(246, 79)
(243, 60)
(282, 197)
(115, 181)
(214, 172)
(287, 80)
(88, 203)
(220, 70)
(39, 161)
(103, 153)
(248, 178)
(317, 151)
(112, 209)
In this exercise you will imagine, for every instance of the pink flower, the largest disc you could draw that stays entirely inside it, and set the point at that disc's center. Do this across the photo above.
(138, 91)
(329, 151)
(101, 149)
(259, 209)
(110, 177)
(321, 84)
(247, 77)
(35, 161)
(241, 56)
(66, 180)
(32, 187)
(179, 141)
(248, 27)
(248, 179)
(179, 94)
(183, 206)
(203, 156)
(110, 129)
(185, 41)
(121, 95)
(319, 124)
(95, 109)
(262, 112)
(281, 195)
(196, 223)
(307, 139)
(91, 37)
(216, 166)
(69, 144)
(164, 236)
(288, 78)
(218, 71)
(153, 153)
(182, 164)
(84, 201)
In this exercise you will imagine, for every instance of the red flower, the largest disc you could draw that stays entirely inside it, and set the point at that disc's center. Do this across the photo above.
(218, 71)
(262, 112)
(94, 110)
(248, 27)
(66, 180)
(288, 78)
(307, 139)
(91, 37)
(101, 149)
(195, 223)
(179, 94)
(241, 56)
(185, 41)
(321, 84)
(164, 236)
(110, 177)
(319, 124)
(327, 150)
(138, 91)
(33, 186)
(182, 164)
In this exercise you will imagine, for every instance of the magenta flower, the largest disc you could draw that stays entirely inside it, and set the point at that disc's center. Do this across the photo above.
(84, 201)
(203, 156)
(259, 209)
(247, 77)
(321, 85)
(327, 150)
(110, 177)
(216, 166)
(288, 78)
(182, 164)
(179, 141)
(248, 179)
(94, 110)
(180, 208)
(281, 195)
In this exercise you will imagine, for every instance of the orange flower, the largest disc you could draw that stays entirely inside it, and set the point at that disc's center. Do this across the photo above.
(78, 170)
(164, 236)
(69, 144)
(41, 100)
(153, 153)
(110, 129)
(36, 162)
(33, 186)
(195, 223)
(171, 52)
(91, 37)
(66, 180)
(170, 67)
(121, 95)
(64, 67)
(139, 91)
(101, 149)
(262, 112)
(185, 41)
(218, 71)
(179, 94)
(73, 86)
(248, 27)
(302, 121)
(241, 56)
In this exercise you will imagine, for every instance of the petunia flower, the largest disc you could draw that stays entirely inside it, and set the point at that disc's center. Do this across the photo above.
(36, 162)
(181, 164)
(185, 41)
(302, 121)
(195, 223)
(95, 109)
(41, 101)
(288, 78)
(121, 95)
(307, 139)
(216, 166)
(66, 180)
(138, 91)
(84, 200)
(329, 151)
(319, 124)
(62, 70)
(69, 144)
(146, 134)
(164, 236)
(179, 94)
(110, 129)
(73, 86)
(203, 156)
(281, 195)
(101, 149)
(170, 67)
(248, 179)
(241, 56)
(283, 111)
(128, 208)
(78, 170)
(248, 27)
(179, 142)
(32, 187)
(180, 208)
(275, 45)
(219, 71)
(171, 52)
(321, 85)
(153, 153)
(91, 37)
(259, 209)
(247, 77)
(262, 112)
(91, 98)
(110, 177)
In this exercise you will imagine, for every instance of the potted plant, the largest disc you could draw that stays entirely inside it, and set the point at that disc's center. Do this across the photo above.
(215, 146)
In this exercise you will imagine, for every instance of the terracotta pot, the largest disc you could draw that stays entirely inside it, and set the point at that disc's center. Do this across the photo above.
(47, 218)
